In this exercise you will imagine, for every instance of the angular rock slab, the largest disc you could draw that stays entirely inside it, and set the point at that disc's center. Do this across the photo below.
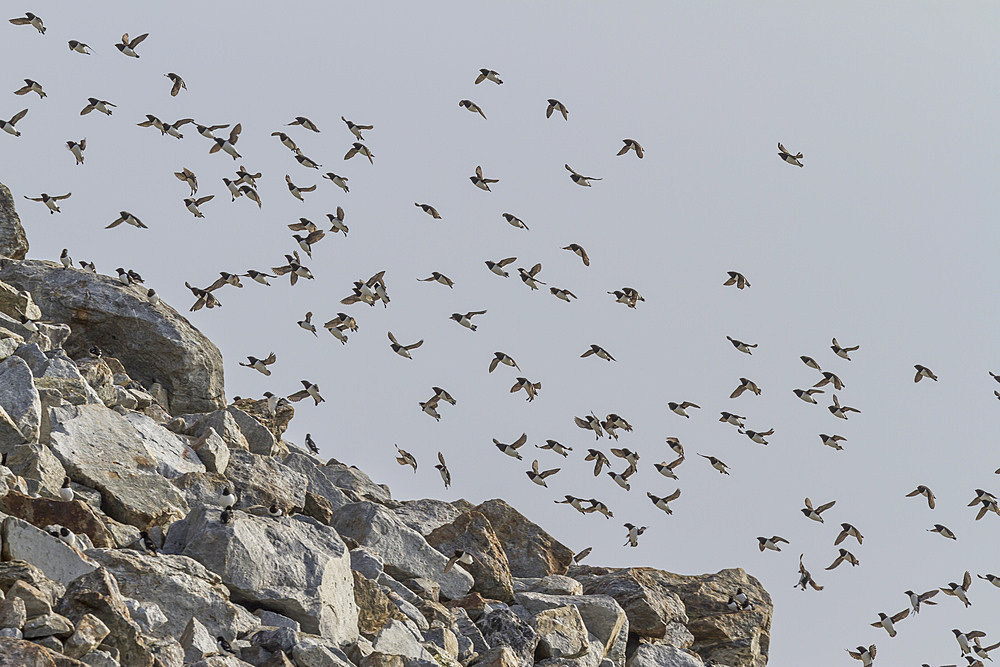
(603, 617)
(76, 515)
(403, 550)
(471, 532)
(155, 343)
(657, 655)
(59, 561)
(561, 633)
(19, 397)
(173, 454)
(502, 627)
(648, 600)
(531, 552)
(13, 240)
(299, 568)
(262, 480)
(102, 450)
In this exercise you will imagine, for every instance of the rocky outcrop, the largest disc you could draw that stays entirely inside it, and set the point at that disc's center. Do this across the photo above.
(13, 240)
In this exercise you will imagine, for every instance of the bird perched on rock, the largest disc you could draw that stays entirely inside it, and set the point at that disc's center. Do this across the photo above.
(785, 155)
(311, 444)
(127, 46)
(65, 492)
(459, 556)
(260, 365)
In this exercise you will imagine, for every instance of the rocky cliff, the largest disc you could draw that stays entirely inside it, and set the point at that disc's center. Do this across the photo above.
(143, 566)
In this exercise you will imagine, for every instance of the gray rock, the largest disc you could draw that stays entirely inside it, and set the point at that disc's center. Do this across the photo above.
(554, 584)
(99, 658)
(426, 514)
(469, 630)
(100, 449)
(274, 639)
(36, 602)
(47, 625)
(173, 454)
(148, 615)
(650, 605)
(312, 654)
(443, 638)
(50, 642)
(34, 461)
(59, 561)
(618, 650)
(397, 639)
(502, 627)
(472, 533)
(153, 342)
(299, 568)
(197, 641)
(321, 481)
(223, 423)
(660, 655)
(603, 616)
(499, 656)
(19, 397)
(13, 240)
(212, 451)
(561, 633)
(12, 633)
(531, 552)
(8, 346)
(13, 613)
(258, 438)
(14, 302)
(10, 436)
(356, 483)
(99, 376)
(261, 480)
(403, 550)
(276, 620)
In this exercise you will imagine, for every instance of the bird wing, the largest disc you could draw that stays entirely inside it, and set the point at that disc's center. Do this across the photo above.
(393, 339)
(298, 396)
(900, 616)
(517, 444)
(18, 116)
(415, 345)
(966, 580)
(569, 168)
(234, 134)
(824, 507)
(441, 458)
(271, 358)
(674, 496)
(738, 391)
(199, 202)
(506, 261)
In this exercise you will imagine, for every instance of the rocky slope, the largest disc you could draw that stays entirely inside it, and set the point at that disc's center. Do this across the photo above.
(346, 576)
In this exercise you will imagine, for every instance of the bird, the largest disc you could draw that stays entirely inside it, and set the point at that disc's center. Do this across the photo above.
(964, 638)
(943, 531)
(228, 144)
(632, 145)
(225, 279)
(613, 422)
(429, 210)
(848, 531)
(152, 296)
(187, 176)
(465, 319)
(716, 463)
(227, 498)
(339, 181)
(286, 141)
(810, 362)
(805, 579)
(599, 352)
(530, 388)
(357, 148)
(488, 75)
(204, 298)
(482, 182)
(245, 177)
(403, 350)
(788, 157)
(459, 556)
(66, 535)
(275, 511)
(65, 492)
(193, 204)
(514, 221)
(438, 277)
(177, 83)
(356, 129)
(771, 543)
(633, 534)
(442, 468)
(296, 190)
(88, 266)
(865, 655)
(731, 418)
(311, 444)
(681, 408)
(337, 221)
(309, 390)
(94, 104)
(502, 358)
(306, 161)
(306, 242)
(918, 599)
(838, 410)
(591, 423)
(556, 105)
(924, 491)
(923, 372)
(580, 179)
(260, 365)
(599, 459)
(443, 395)
(258, 276)
(621, 479)
(208, 131)
(147, 543)
(430, 407)
(745, 385)
(528, 276)
(472, 106)
(30, 19)
(738, 279)
(226, 515)
(127, 46)
(31, 87)
(8, 125)
(627, 295)
(65, 259)
(807, 394)
(830, 378)
(562, 294)
(79, 47)
(667, 469)
(842, 352)
(404, 458)
(538, 476)
(888, 622)
(757, 436)
(224, 646)
(576, 503)
(578, 250)
(497, 267)
(662, 503)
(305, 122)
(746, 348)
(50, 201)
(816, 513)
(556, 447)
(992, 578)
(582, 554)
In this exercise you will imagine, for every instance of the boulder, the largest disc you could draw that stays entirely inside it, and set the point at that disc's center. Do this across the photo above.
(648, 600)
(404, 551)
(19, 397)
(661, 655)
(531, 552)
(76, 515)
(59, 561)
(48, 625)
(426, 514)
(174, 456)
(197, 641)
(154, 342)
(16, 303)
(502, 627)
(179, 587)
(23, 580)
(10, 435)
(299, 568)
(34, 461)
(13, 240)
(318, 508)
(321, 481)
(23, 653)
(261, 480)
(603, 616)
(313, 654)
(148, 615)
(276, 620)
(201, 488)
(212, 451)
(356, 484)
(13, 613)
(561, 633)
(102, 450)
(375, 609)
(471, 532)
(258, 438)
(397, 639)
(98, 375)
(554, 584)
(223, 423)
(275, 423)
(499, 656)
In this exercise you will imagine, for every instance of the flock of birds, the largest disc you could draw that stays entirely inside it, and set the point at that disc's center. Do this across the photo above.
(374, 290)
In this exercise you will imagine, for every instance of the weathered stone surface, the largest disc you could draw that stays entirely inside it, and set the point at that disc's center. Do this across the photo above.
(397, 639)
(223, 423)
(382, 660)
(46, 626)
(356, 484)
(154, 343)
(318, 508)
(10, 435)
(15, 303)
(443, 638)
(312, 654)
(276, 620)
(299, 568)
(101, 449)
(148, 615)
(531, 552)
(375, 609)
(259, 439)
(404, 552)
(22, 653)
(59, 561)
(275, 423)
(648, 601)
(603, 616)
(471, 532)
(321, 479)
(97, 594)
(366, 562)
(8, 346)
(502, 627)
(561, 633)
(13, 613)
(174, 456)
(201, 488)
(180, 587)
(197, 641)
(499, 656)
(212, 450)
(76, 515)
(261, 480)
(37, 591)
(100, 378)
(99, 658)
(661, 655)
(554, 584)
(13, 240)
(34, 461)
(19, 397)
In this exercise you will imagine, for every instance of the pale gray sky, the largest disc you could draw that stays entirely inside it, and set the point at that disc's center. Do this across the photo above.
(887, 239)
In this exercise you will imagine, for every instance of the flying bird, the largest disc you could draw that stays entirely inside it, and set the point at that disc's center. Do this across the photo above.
(31, 87)
(339, 181)
(296, 190)
(193, 204)
(309, 390)
(260, 365)
(580, 179)
(438, 277)
(633, 535)
(514, 221)
(663, 503)
(838, 410)
(472, 106)
(30, 19)
(681, 408)
(8, 125)
(578, 250)
(805, 579)
(482, 182)
(488, 75)
(305, 122)
(127, 46)
(716, 463)
(556, 447)
(404, 458)
(94, 104)
(528, 276)
(807, 394)
(79, 47)
(738, 279)
(50, 201)
(128, 218)
(358, 148)
(502, 358)
(667, 469)
(746, 348)
(599, 352)
(538, 476)
(465, 319)
(530, 388)
(631, 145)
(442, 468)
(228, 144)
(887, 622)
(356, 129)
(187, 176)
(511, 449)
(497, 267)
(772, 543)
(842, 352)
(177, 83)
(403, 350)
(842, 557)
(745, 385)
(556, 105)
(429, 210)
(788, 157)
(924, 491)
(816, 513)
(923, 372)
